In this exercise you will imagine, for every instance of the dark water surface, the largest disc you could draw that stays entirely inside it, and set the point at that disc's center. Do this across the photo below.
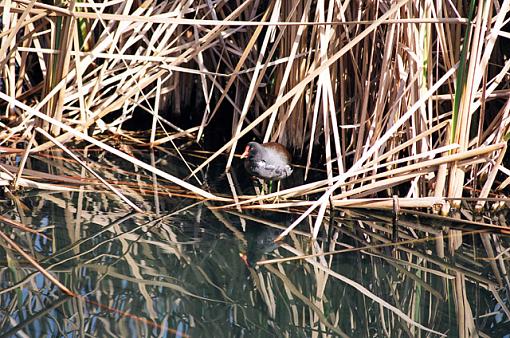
(188, 269)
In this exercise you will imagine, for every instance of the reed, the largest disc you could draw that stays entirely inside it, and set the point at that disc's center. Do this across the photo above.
(402, 99)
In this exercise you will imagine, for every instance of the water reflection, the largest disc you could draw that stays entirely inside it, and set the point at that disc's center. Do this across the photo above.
(260, 242)
(179, 271)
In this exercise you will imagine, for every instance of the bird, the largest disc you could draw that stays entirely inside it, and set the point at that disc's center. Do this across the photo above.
(268, 161)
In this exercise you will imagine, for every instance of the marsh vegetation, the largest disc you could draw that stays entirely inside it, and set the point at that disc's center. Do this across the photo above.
(121, 127)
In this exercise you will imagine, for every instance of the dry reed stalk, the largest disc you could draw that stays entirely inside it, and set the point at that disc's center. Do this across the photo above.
(84, 165)
(323, 201)
(389, 178)
(123, 155)
(7, 178)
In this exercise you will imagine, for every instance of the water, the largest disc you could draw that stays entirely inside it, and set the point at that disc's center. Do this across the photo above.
(187, 269)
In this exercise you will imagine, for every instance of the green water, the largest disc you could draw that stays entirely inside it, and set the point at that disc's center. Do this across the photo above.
(187, 269)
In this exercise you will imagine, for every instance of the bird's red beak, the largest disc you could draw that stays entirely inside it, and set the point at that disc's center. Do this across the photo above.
(246, 152)
(244, 258)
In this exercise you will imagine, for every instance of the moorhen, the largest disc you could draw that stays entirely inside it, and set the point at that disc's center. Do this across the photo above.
(268, 161)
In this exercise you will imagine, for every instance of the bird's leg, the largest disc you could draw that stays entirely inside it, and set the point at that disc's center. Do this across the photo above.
(259, 185)
(270, 189)
(265, 187)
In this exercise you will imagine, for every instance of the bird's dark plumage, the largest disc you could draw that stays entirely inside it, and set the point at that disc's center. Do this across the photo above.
(268, 161)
